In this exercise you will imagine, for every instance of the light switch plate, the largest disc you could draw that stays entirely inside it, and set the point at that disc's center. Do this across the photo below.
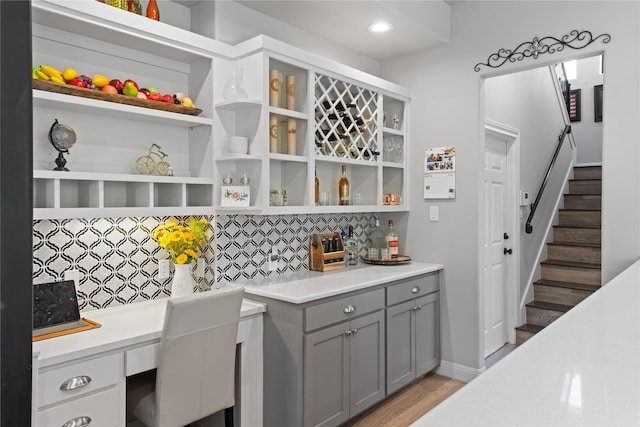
(434, 213)
(72, 275)
(163, 269)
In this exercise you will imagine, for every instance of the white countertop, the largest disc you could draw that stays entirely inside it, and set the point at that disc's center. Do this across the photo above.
(309, 285)
(121, 326)
(583, 369)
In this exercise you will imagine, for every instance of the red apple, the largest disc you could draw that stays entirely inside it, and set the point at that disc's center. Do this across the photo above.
(145, 91)
(153, 96)
(133, 82)
(167, 98)
(117, 84)
(77, 82)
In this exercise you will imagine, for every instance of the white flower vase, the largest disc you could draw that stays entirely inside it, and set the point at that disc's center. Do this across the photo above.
(183, 282)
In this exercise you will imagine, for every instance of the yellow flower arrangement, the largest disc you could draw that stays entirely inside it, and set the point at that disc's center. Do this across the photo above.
(182, 243)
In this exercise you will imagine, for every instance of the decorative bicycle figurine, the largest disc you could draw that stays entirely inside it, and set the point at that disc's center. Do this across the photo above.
(153, 162)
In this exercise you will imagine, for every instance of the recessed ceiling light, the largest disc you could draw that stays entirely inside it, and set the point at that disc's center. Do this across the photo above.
(380, 27)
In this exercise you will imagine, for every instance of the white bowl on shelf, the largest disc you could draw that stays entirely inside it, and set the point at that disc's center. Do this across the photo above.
(238, 144)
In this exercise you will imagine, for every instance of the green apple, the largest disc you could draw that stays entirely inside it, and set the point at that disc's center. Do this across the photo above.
(152, 89)
(129, 89)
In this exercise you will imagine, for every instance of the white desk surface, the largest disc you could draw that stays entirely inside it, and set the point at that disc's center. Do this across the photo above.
(305, 286)
(124, 326)
(583, 369)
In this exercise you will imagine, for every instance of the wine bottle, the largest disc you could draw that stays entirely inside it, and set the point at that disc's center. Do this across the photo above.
(338, 105)
(392, 241)
(351, 248)
(343, 187)
(323, 134)
(317, 188)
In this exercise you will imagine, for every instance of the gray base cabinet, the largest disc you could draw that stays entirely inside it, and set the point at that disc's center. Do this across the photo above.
(328, 360)
(413, 331)
(344, 370)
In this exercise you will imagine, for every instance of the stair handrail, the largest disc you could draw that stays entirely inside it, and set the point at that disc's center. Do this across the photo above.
(563, 135)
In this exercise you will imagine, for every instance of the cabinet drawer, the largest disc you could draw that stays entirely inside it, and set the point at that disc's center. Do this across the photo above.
(412, 288)
(331, 312)
(80, 378)
(102, 409)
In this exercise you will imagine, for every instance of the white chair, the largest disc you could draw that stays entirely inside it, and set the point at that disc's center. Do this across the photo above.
(196, 362)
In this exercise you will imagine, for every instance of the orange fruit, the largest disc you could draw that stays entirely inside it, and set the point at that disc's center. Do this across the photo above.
(109, 89)
(100, 80)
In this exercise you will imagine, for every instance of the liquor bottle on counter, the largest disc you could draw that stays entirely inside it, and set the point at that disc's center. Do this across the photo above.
(343, 187)
(317, 188)
(392, 241)
(351, 248)
(378, 249)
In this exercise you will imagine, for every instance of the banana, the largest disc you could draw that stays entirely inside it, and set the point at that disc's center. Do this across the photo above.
(34, 76)
(57, 79)
(41, 75)
(51, 71)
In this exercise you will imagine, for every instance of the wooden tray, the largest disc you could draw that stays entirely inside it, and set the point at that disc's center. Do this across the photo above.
(402, 259)
(89, 324)
(119, 99)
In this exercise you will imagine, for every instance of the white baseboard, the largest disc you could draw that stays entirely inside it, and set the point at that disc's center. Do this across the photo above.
(459, 372)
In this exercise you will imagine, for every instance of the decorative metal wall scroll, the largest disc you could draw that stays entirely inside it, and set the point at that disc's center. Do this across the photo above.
(574, 40)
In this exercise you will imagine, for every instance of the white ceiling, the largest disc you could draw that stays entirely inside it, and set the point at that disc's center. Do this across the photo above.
(417, 24)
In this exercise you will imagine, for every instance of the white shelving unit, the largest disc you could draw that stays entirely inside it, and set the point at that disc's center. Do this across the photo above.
(94, 38)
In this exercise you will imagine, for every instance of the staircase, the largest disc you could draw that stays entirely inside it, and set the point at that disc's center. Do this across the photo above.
(571, 271)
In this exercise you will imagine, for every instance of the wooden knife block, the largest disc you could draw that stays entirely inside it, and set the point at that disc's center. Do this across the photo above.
(321, 259)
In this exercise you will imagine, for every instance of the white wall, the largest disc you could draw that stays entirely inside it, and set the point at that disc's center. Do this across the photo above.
(448, 109)
(234, 23)
(527, 101)
(587, 132)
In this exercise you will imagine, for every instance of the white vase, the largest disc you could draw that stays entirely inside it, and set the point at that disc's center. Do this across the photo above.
(182, 283)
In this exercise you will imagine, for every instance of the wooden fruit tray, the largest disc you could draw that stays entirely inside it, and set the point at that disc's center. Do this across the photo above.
(119, 99)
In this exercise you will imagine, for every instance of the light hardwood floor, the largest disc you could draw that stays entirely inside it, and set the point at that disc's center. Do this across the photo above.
(408, 404)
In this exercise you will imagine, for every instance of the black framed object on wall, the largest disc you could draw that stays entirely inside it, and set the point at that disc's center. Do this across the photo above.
(597, 103)
(574, 105)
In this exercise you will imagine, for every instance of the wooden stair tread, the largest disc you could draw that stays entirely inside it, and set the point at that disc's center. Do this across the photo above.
(568, 285)
(572, 264)
(550, 306)
(528, 327)
(579, 245)
(591, 227)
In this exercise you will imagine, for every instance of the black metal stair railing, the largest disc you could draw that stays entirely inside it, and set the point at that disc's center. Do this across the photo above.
(566, 131)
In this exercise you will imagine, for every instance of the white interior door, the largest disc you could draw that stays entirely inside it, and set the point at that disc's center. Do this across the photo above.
(495, 258)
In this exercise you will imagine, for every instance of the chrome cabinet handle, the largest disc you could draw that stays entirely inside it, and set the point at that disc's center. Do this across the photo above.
(355, 331)
(349, 309)
(419, 307)
(347, 333)
(415, 289)
(75, 382)
(78, 422)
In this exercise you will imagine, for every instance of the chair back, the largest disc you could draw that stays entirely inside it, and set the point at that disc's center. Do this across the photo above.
(196, 361)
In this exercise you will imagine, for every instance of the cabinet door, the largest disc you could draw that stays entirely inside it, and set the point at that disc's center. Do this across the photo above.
(326, 376)
(366, 362)
(400, 345)
(427, 319)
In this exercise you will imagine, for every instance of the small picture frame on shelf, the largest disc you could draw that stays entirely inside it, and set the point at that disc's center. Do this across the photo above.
(235, 196)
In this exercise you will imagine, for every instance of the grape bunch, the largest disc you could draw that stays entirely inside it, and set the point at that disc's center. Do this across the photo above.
(87, 80)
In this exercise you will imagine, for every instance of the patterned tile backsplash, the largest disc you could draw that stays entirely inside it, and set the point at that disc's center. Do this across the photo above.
(118, 261)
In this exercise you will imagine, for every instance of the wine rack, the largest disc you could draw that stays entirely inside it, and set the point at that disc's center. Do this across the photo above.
(345, 118)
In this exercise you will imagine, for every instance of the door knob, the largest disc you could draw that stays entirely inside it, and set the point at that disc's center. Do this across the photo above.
(507, 251)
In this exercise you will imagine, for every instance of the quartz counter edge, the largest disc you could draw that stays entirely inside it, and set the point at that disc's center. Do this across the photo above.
(307, 286)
